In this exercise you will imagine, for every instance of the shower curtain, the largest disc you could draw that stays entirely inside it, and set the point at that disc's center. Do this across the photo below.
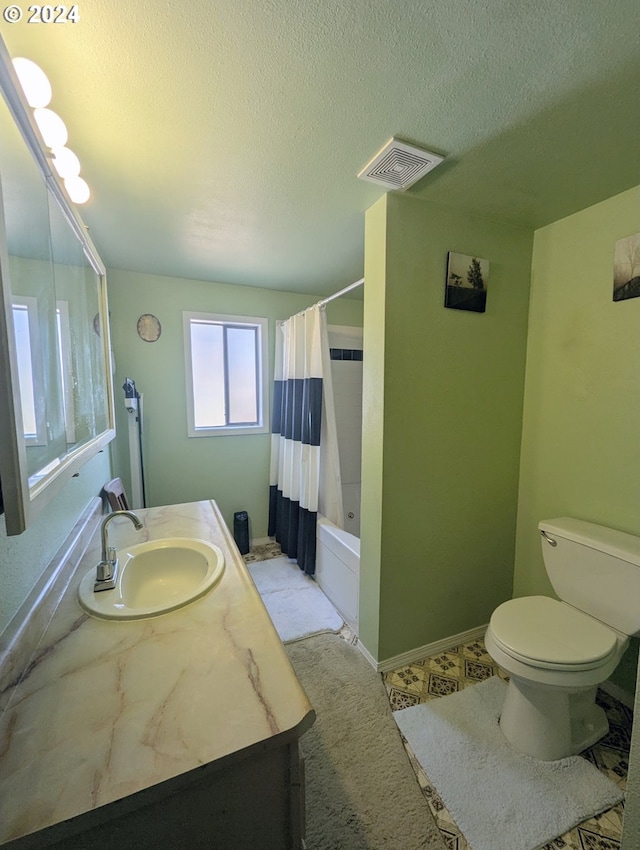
(302, 355)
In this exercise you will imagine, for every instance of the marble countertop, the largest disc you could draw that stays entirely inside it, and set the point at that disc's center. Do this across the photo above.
(109, 708)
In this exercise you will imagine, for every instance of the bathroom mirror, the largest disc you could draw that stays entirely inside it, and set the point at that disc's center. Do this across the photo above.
(56, 398)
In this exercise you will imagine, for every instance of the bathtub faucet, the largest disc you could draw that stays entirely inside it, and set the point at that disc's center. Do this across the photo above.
(107, 569)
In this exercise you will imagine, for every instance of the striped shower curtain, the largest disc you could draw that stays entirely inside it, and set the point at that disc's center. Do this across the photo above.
(295, 435)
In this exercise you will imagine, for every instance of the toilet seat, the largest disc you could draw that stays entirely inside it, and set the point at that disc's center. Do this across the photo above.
(543, 632)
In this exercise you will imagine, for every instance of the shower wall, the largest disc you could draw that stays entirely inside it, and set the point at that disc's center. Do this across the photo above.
(346, 372)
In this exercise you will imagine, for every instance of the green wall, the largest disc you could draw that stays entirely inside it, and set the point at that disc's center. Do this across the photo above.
(449, 413)
(580, 445)
(373, 393)
(24, 557)
(232, 470)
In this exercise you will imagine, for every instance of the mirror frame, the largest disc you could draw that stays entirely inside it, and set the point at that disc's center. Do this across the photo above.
(22, 503)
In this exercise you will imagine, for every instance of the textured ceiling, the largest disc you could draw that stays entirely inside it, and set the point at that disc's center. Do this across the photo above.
(222, 139)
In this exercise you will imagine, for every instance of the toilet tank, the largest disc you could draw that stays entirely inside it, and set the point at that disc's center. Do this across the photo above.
(595, 569)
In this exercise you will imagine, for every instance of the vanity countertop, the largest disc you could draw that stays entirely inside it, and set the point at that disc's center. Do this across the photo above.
(109, 708)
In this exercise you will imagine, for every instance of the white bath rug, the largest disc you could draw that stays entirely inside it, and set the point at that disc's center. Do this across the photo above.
(499, 798)
(296, 605)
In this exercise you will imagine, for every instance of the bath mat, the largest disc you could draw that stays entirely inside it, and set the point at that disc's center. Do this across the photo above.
(361, 791)
(296, 605)
(500, 798)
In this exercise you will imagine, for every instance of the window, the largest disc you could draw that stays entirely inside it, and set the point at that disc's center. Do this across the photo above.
(30, 376)
(226, 363)
(30, 368)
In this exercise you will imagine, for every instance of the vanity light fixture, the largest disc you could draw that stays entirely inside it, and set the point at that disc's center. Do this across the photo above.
(34, 82)
(65, 162)
(37, 90)
(52, 127)
(77, 189)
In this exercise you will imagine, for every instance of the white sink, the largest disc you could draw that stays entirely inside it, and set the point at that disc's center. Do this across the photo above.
(155, 577)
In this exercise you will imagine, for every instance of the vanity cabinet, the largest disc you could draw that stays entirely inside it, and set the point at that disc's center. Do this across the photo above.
(254, 803)
(175, 731)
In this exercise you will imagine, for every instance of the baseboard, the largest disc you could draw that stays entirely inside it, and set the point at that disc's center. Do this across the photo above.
(421, 652)
(363, 649)
(618, 693)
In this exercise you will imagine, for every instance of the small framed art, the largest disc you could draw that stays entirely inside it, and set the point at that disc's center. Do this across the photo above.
(466, 283)
(626, 268)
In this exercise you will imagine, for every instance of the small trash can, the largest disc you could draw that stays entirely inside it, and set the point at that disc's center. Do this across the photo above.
(241, 531)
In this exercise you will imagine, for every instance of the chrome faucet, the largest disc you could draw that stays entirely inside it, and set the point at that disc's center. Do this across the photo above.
(107, 569)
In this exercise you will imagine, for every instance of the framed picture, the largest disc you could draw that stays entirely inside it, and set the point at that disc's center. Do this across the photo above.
(466, 283)
(626, 268)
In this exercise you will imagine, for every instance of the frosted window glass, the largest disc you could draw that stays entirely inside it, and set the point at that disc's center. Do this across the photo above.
(207, 356)
(25, 370)
(241, 358)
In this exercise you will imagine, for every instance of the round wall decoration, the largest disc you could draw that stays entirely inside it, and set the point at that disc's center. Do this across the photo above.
(149, 327)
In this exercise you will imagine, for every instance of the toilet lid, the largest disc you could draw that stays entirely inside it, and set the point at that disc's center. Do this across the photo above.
(551, 633)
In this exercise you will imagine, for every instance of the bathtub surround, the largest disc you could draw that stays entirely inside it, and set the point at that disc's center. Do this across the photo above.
(295, 603)
(153, 720)
(346, 375)
(365, 795)
(499, 798)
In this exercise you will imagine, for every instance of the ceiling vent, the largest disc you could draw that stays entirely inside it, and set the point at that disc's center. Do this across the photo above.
(399, 165)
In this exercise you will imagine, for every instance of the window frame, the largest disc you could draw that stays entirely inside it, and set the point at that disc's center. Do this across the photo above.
(261, 373)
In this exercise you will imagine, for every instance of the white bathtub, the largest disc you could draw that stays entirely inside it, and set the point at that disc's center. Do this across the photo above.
(338, 568)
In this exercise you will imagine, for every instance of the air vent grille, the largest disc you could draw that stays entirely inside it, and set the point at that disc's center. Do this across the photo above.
(399, 165)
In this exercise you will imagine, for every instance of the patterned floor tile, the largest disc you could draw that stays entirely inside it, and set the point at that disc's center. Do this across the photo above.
(441, 686)
(593, 841)
(263, 552)
(468, 664)
(401, 699)
(451, 840)
(478, 670)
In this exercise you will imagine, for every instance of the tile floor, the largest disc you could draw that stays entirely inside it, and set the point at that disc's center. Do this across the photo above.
(467, 665)
(263, 552)
(470, 663)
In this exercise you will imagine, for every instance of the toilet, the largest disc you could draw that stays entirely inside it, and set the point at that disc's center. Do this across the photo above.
(557, 651)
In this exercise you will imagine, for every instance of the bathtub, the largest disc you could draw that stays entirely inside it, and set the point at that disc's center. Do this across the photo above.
(338, 568)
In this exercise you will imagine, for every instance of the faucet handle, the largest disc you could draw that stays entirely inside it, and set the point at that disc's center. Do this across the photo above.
(111, 554)
(104, 571)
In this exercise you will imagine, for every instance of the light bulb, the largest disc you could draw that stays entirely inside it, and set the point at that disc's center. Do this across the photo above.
(77, 189)
(34, 82)
(66, 162)
(52, 127)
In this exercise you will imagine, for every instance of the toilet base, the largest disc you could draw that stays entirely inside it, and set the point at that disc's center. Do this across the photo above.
(551, 723)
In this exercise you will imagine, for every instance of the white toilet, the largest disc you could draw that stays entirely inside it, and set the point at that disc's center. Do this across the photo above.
(557, 653)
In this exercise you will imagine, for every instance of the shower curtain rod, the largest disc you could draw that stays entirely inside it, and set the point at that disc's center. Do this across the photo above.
(331, 297)
(342, 292)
